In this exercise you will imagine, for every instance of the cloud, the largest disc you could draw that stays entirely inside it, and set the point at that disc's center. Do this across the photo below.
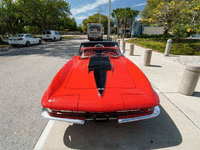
(88, 7)
(81, 18)
(140, 4)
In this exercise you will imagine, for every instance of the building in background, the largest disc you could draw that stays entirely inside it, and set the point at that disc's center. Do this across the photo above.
(153, 30)
(138, 29)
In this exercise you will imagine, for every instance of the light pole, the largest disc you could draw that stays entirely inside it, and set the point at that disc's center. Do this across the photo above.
(100, 11)
(108, 34)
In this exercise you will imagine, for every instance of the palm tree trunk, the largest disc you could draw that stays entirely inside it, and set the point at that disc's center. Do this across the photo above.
(118, 29)
(125, 22)
(131, 24)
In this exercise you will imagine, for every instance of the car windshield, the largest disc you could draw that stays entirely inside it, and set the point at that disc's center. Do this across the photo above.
(99, 51)
(95, 27)
(28, 36)
(110, 49)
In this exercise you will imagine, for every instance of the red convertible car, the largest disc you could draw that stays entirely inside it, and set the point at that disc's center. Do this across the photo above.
(99, 83)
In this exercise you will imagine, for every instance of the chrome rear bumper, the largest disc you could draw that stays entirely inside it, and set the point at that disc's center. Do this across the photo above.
(155, 113)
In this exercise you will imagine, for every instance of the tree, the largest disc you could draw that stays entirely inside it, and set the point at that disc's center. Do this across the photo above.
(95, 19)
(148, 10)
(180, 16)
(188, 19)
(34, 16)
(67, 24)
(157, 12)
(46, 14)
(124, 16)
(116, 14)
(79, 27)
(130, 15)
(9, 19)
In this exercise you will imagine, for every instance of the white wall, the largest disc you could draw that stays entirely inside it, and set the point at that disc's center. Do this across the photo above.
(153, 30)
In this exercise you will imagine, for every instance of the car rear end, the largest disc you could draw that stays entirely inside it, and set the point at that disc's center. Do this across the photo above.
(17, 39)
(47, 35)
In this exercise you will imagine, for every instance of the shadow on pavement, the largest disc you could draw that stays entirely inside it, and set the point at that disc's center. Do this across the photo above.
(196, 94)
(135, 55)
(159, 132)
(158, 66)
(62, 49)
(173, 56)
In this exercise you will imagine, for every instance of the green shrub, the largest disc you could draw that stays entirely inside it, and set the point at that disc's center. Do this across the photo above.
(127, 36)
(144, 36)
(155, 36)
(186, 47)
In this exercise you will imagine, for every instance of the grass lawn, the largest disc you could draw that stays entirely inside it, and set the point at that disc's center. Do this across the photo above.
(186, 47)
(63, 37)
(68, 37)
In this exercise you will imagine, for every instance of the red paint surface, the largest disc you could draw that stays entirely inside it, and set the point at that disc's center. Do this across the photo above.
(74, 88)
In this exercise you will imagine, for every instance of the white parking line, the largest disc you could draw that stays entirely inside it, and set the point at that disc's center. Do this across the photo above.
(44, 135)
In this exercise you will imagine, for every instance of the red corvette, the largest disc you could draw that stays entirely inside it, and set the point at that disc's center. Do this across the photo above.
(99, 83)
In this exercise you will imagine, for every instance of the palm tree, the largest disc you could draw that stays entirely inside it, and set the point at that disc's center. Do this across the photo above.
(122, 15)
(132, 15)
(117, 15)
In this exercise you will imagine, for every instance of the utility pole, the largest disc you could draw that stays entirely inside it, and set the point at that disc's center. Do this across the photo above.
(100, 11)
(108, 36)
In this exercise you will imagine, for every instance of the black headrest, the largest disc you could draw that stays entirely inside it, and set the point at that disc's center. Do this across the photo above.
(99, 63)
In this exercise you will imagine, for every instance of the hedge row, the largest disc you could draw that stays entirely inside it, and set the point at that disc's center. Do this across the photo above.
(185, 47)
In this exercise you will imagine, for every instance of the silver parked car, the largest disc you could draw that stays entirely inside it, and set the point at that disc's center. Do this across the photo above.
(24, 39)
(51, 35)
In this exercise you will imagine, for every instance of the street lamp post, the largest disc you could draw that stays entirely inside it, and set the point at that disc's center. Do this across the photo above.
(108, 35)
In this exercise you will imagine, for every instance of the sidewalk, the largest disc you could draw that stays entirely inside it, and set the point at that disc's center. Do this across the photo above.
(165, 74)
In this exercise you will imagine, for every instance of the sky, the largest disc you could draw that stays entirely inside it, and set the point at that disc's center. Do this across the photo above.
(82, 9)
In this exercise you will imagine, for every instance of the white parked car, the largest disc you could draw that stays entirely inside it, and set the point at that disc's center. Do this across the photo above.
(24, 39)
(51, 35)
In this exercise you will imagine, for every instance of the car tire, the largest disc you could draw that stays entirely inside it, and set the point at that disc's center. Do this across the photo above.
(14, 45)
(40, 42)
(27, 44)
(46, 40)
(54, 39)
(60, 38)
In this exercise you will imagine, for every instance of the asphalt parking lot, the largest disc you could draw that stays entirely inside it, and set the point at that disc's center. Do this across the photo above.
(26, 72)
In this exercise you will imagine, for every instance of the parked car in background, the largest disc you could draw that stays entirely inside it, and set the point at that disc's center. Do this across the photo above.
(24, 39)
(51, 35)
(194, 36)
